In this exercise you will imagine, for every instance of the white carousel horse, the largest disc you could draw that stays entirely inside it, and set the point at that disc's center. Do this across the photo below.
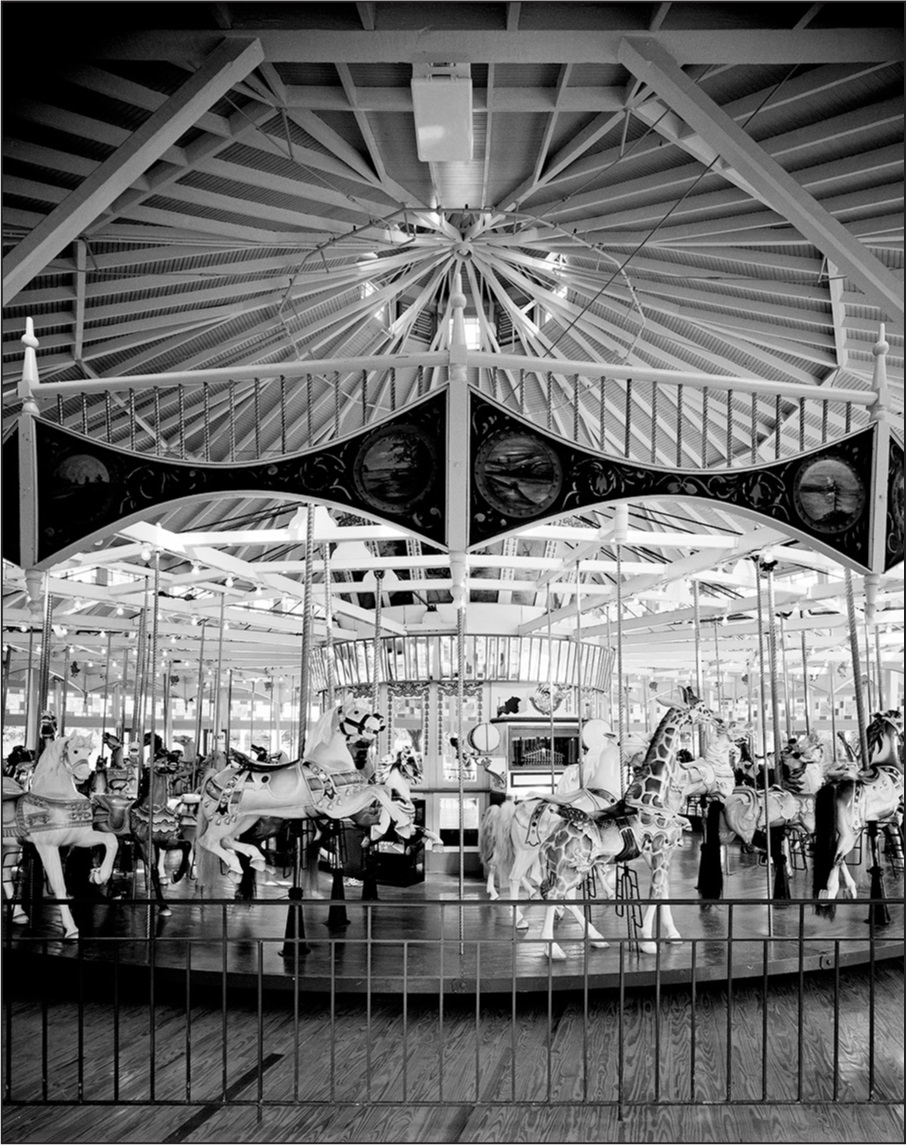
(53, 814)
(713, 773)
(843, 808)
(325, 783)
(645, 821)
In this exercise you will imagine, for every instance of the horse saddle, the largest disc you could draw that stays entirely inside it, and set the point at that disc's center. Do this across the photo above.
(111, 813)
(11, 789)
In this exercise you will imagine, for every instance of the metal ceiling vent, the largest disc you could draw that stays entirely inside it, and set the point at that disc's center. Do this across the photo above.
(442, 109)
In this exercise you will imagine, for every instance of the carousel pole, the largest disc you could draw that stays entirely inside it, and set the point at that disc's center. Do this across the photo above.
(550, 690)
(44, 667)
(294, 932)
(621, 517)
(152, 726)
(7, 667)
(29, 687)
(459, 593)
(199, 702)
(831, 705)
(697, 661)
(218, 699)
(764, 729)
(785, 690)
(578, 667)
(805, 664)
(137, 712)
(337, 916)
(106, 686)
(124, 685)
(781, 887)
(878, 911)
(228, 721)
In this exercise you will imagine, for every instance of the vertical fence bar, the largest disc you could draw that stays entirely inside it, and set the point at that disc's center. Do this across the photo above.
(800, 993)
(836, 1022)
(223, 999)
(765, 980)
(406, 1013)
(694, 950)
(260, 1025)
(478, 1014)
(80, 1081)
(187, 1017)
(729, 1034)
(116, 1021)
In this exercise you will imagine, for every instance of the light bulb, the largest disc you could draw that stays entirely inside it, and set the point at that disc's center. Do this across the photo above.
(119, 610)
(193, 620)
(146, 553)
(229, 582)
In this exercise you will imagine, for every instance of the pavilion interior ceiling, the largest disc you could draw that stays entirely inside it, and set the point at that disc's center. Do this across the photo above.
(696, 187)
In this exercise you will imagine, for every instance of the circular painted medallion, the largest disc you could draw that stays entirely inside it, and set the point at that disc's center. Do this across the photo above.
(394, 468)
(829, 494)
(518, 473)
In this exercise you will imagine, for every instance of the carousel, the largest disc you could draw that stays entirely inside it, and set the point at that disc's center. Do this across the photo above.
(191, 725)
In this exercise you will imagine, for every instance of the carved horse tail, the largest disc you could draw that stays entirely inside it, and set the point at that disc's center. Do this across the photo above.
(495, 842)
(711, 877)
(207, 865)
(826, 845)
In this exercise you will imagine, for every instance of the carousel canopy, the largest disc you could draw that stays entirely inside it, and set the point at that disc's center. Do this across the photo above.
(707, 189)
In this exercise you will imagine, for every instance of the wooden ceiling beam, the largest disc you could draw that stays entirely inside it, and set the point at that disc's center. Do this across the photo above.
(723, 46)
(769, 181)
(227, 64)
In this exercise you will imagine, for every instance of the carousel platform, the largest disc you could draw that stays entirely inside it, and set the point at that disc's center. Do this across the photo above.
(426, 939)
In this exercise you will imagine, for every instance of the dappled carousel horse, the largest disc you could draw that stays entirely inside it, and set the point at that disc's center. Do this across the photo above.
(324, 784)
(54, 814)
(645, 822)
(511, 834)
(845, 807)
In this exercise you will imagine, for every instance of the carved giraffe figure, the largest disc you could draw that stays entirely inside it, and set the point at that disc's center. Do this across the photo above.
(646, 821)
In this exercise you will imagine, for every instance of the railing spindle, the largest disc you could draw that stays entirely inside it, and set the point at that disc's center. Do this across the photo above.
(678, 456)
(628, 414)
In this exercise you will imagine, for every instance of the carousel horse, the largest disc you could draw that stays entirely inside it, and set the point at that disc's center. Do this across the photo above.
(17, 771)
(513, 833)
(741, 813)
(399, 774)
(53, 814)
(644, 822)
(843, 808)
(155, 828)
(326, 783)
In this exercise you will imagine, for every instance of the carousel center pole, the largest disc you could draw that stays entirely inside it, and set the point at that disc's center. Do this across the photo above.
(780, 887)
(459, 593)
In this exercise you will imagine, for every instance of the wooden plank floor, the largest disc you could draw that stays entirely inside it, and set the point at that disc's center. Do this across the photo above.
(814, 1055)
(420, 939)
(778, 1064)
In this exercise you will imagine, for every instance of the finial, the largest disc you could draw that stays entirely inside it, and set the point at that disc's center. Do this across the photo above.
(29, 369)
(880, 376)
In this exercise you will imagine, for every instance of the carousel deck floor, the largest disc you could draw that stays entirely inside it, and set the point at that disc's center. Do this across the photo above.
(425, 939)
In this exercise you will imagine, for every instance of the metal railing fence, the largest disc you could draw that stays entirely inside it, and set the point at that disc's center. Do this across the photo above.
(442, 1002)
